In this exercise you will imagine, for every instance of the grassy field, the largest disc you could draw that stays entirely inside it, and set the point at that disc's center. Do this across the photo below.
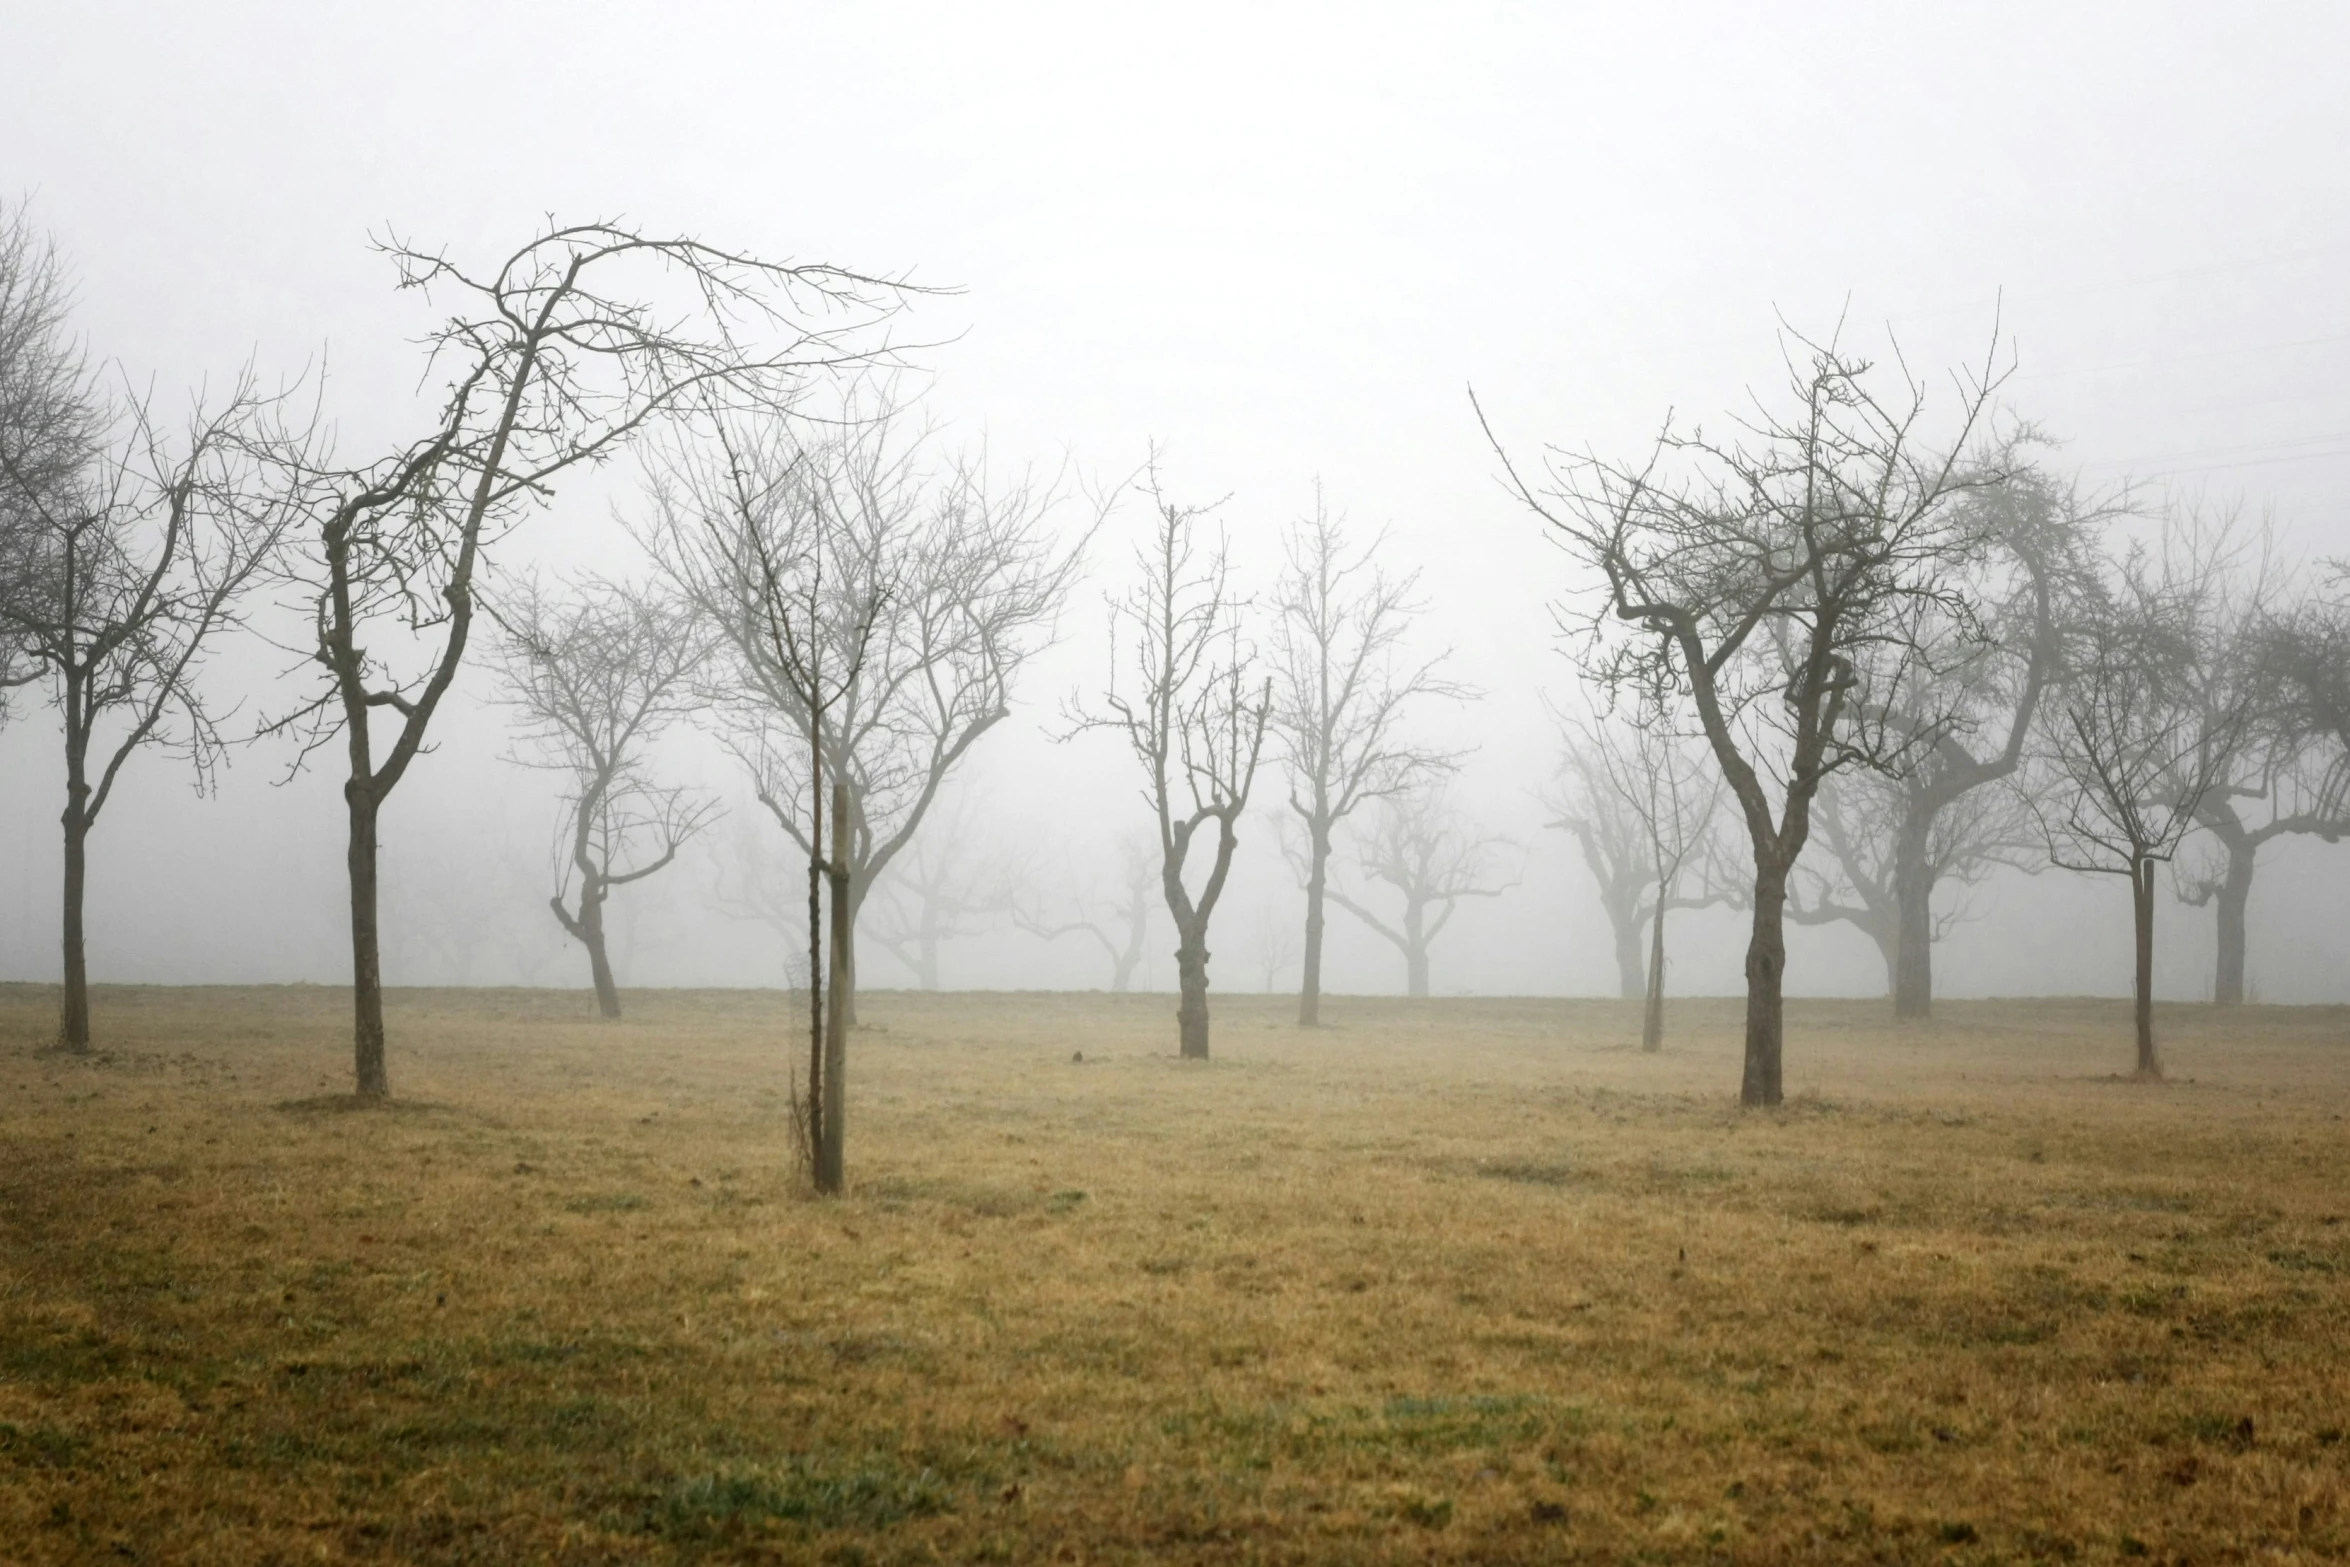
(1454, 1281)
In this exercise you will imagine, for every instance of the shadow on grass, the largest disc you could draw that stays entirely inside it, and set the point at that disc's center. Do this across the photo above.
(346, 1104)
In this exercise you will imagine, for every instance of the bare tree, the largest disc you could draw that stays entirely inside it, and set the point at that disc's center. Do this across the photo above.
(51, 424)
(460, 903)
(1617, 845)
(751, 881)
(1194, 715)
(561, 354)
(597, 674)
(131, 549)
(1645, 808)
(1119, 923)
(944, 886)
(977, 575)
(1342, 682)
(745, 533)
(1867, 823)
(1432, 860)
(1275, 943)
(2136, 747)
(2282, 778)
(1989, 659)
(1779, 580)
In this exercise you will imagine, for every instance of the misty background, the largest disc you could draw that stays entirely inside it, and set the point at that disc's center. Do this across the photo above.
(1281, 242)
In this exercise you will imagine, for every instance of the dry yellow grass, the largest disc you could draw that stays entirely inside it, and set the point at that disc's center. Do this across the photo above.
(1454, 1280)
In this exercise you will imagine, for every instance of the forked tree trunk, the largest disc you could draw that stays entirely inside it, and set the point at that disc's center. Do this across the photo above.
(1766, 969)
(74, 1025)
(2233, 899)
(2142, 912)
(1912, 959)
(831, 1162)
(1309, 997)
(1630, 983)
(1191, 1008)
(371, 1080)
(1652, 1021)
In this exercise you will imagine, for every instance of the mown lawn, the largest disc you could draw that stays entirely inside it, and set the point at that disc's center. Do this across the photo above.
(1453, 1280)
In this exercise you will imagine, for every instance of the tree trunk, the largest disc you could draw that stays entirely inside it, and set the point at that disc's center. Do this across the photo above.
(815, 1105)
(591, 936)
(831, 1161)
(2235, 896)
(1309, 996)
(2142, 910)
(1630, 984)
(1652, 1022)
(74, 1026)
(844, 934)
(370, 1079)
(927, 969)
(1766, 969)
(1913, 955)
(1191, 1009)
(1415, 952)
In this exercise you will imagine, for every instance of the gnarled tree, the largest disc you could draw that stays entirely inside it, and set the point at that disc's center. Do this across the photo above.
(1184, 696)
(560, 354)
(1868, 823)
(597, 674)
(1341, 683)
(1990, 657)
(1778, 580)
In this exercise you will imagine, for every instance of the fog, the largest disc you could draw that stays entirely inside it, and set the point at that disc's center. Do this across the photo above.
(1281, 243)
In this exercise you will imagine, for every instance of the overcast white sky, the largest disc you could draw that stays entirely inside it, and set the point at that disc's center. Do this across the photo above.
(1281, 240)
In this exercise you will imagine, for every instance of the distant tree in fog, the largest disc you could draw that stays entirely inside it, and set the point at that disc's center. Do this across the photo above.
(561, 354)
(1118, 921)
(1275, 944)
(952, 575)
(1977, 670)
(1183, 693)
(1777, 578)
(1643, 804)
(752, 881)
(1342, 682)
(2284, 777)
(597, 674)
(129, 548)
(947, 884)
(1860, 821)
(462, 907)
(1430, 859)
(2136, 743)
